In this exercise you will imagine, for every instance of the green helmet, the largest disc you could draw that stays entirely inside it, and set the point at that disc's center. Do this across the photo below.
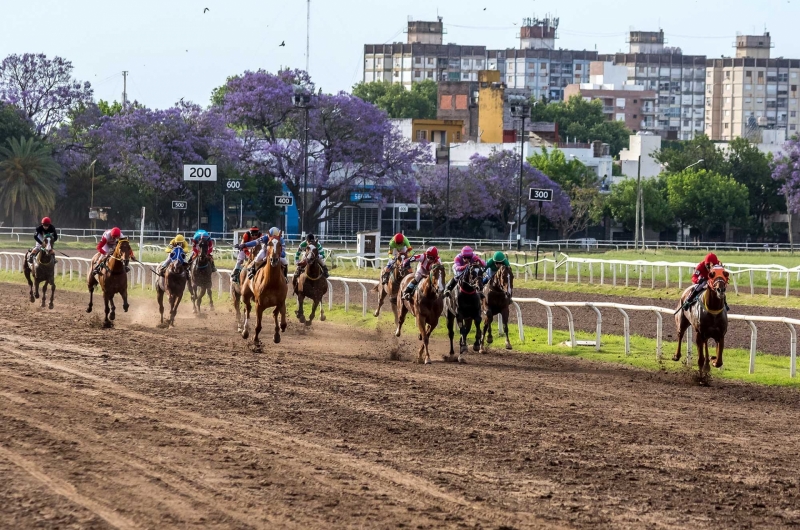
(499, 256)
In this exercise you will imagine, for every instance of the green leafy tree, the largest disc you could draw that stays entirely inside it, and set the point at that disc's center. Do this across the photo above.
(621, 204)
(753, 168)
(27, 178)
(419, 102)
(13, 124)
(707, 200)
(109, 109)
(677, 156)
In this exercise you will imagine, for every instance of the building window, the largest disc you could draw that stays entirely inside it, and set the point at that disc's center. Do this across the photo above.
(792, 127)
(760, 100)
(422, 135)
(727, 88)
(446, 102)
(577, 67)
(748, 100)
(417, 73)
(726, 125)
(793, 113)
(760, 78)
(687, 123)
(748, 87)
(417, 60)
(620, 117)
(634, 116)
(794, 88)
(461, 102)
(621, 103)
(748, 74)
(458, 136)
(430, 60)
(727, 74)
(430, 74)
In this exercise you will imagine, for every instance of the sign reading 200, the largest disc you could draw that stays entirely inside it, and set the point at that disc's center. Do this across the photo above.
(200, 173)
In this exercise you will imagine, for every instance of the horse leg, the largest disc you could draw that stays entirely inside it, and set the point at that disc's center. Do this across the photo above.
(44, 292)
(210, 299)
(720, 348)
(426, 342)
(259, 314)
(682, 324)
(246, 323)
(421, 327)
(283, 316)
(380, 300)
(113, 314)
(91, 295)
(400, 319)
(463, 332)
(478, 336)
(487, 325)
(276, 336)
(300, 313)
(313, 312)
(700, 342)
(30, 282)
(236, 298)
(36, 287)
(707, 359)
(107, 322)
(321, 311)
(450, 332)
(124, 295)
(160, 298)
(505, 328)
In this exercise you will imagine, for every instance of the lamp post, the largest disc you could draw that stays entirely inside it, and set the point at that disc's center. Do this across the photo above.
(520, 108)
(91, 206)
(302, 100)
(447, 197)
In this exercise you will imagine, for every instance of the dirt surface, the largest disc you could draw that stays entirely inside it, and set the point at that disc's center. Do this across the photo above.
(139, 427)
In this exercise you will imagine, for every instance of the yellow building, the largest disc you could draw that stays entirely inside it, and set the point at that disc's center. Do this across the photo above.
(491, 93)
(441, 132)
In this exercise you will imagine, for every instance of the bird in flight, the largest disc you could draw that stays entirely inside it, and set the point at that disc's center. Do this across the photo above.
(283, 43)
(205, 10)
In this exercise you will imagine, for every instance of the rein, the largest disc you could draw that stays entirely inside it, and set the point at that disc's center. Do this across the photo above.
(713, 312)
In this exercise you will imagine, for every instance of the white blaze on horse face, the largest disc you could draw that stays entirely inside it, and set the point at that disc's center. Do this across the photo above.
(441, 283)
(508, 284)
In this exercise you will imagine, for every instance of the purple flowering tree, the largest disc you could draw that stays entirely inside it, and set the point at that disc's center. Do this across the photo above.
(786, 171)
(352, 146)
(42, 88)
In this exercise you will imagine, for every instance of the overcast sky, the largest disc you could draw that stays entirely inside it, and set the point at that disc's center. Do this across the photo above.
(174, 50)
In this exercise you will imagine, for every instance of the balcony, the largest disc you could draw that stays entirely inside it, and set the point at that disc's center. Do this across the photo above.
(608, 110)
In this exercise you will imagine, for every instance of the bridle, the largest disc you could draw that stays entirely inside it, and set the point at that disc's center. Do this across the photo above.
(312, 258)
(718, 284)
(503, 280)
(469, 279)
(436, 276)
(274, 251)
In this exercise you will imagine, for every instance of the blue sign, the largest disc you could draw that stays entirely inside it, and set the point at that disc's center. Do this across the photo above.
(362, 196)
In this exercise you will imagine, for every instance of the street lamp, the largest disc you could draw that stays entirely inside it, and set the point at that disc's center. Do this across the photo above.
(302, 101)
(91, 206)
(520, 108)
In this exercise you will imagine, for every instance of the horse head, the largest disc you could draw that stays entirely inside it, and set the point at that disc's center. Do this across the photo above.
(437, 277)
(311, 255)
(179, 260)
(503, 280)
(203, 249)
(274, 251)
(123, 250)
(718, 281)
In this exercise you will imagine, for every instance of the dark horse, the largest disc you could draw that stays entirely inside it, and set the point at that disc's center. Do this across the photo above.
(43, 270)
(497, 298)
(113, 279)
(464, 306)
(708, 317)
(392, 287)
(310, 284)
(174, 283)
(200, 284)
(426, 306)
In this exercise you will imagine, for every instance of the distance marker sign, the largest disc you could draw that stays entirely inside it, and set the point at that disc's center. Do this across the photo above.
(284, 200)
(200, 173)
(179, 205)
(537, 194)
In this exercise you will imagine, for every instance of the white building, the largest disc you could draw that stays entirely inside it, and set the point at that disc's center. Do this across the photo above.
(642, 145)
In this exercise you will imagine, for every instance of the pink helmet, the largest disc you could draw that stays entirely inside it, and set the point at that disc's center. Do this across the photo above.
(467, 252)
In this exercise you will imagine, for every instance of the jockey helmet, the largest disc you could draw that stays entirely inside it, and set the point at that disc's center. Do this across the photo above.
(254, 231)
(432, 253)
(499, 257)
(115, 232)
(179, 238)
(711, 259)
(46, 221)
(275, 231)
(399, 238)
(310, 238)
(467, 252)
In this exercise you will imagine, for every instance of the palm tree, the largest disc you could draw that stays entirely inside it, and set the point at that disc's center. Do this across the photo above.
(27, 178)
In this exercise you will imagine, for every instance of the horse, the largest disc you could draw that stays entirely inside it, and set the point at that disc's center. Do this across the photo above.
(200, 279)
(708, 317)
(42, 271)
(113, 279)
(497, 299)
(310, 284)
(236, 287)
(426, 306)
(464, 306)
(392, 287)
(174, 283)
(268, 288)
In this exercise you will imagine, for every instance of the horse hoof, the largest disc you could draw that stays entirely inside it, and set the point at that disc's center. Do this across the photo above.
(112, 316)
(322, 318)
(245, 334)
(88, 309)
(108, 324)
(676, 358)
(37, 296)
(489, 340)
(50, 306)
(419, 337)
(482, 351)
(125, 307)
(508, 346)
(475, 347)
(461, 359)
(277, 338)
(283, 327)
(33, 299)
(307, 323)
(397, 333)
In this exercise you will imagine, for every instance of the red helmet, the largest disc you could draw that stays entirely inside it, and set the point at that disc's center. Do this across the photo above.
(254, 229)
(711, 259)
(115, 232)
(432, 253)
(46, 220)
(399, 238)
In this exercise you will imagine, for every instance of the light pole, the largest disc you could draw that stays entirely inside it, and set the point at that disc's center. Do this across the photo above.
(91, 206)
(447, 197)
(302, 100)
(520, 108)
(638, 206)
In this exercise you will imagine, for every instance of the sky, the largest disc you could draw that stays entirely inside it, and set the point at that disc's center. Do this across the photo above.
(172, 49)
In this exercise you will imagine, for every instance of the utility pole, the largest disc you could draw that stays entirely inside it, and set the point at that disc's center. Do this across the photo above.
(638, 205)
(124, 89)
(447, 197)
(308, 34)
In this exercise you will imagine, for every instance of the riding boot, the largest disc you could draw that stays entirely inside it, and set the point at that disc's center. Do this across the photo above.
(127, 266)
(213, 267)
(409, 292)
(285, 269)
(690, 299)
(385, 277)
(235, 274)
(450, 285)
(251, 272)
(325, 272)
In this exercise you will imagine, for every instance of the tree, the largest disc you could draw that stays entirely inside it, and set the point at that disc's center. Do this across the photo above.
(706, 200)
(751, 167)
(621, 204)
(13, 124)
(677, 156)
(42, 88)
(27, 178)
(109, 109)
(584, 121)
(352, 145)
(419, 102)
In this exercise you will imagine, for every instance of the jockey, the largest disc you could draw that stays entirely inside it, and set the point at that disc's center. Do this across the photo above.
(107, 245)
(398, 246)
(203, 236)
(251, 235)
(464, 259)
(46, 228)
(299, 255)
(700, 279)
(428, 260)
(493, 263)
(262, 255)
(177, 242)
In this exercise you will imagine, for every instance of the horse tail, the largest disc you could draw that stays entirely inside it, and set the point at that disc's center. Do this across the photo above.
(377, 288)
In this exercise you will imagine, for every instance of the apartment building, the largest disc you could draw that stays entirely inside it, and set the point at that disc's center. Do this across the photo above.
(752, 93)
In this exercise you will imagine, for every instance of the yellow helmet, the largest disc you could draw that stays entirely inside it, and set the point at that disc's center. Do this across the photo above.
(179, 238)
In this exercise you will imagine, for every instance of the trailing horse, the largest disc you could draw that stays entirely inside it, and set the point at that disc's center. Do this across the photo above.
(497, 298)
(392, 287)
(426, 306)
(173, 282)
(310, 284)
(464, 307)
(708, 317)
(200, 276)
(42, 271)
(113, 280)
(268, 288)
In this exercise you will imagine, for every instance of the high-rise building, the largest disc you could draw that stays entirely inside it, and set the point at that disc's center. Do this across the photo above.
(751, 93)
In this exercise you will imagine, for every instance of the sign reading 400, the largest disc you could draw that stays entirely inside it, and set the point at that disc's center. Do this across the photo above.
(200, 173)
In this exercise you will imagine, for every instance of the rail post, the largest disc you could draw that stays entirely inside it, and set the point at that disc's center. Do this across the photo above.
(571, 322)
(626, 329)
(598, 327)
(330, 295)
(520, 326)
(769, 285)
(363, 299)
(627, 274)
(346, 295)
(659, 334)
(752, 287)
(792, 351)
(602, 272)
(753, 341)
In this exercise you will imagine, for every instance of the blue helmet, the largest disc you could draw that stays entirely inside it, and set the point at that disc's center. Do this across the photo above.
(274, 231)
(201, 234)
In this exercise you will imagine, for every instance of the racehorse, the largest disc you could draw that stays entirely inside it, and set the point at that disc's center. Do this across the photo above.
(310, 284)
(708, 317)
(236, 287)
(268, 288)
(200, 279)
(497, 298)
(392, 287)
(174, 283)
(464, 306)
(113, 279)
(426, 306)
(42, 271)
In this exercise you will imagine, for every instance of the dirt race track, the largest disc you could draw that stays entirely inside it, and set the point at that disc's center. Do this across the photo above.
(139, 427)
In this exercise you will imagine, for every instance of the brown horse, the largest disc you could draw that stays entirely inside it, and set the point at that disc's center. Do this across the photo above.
(43, 270)
(497, 298)
(392, 287)
(236, 287)
(310, 284)
(113, 279)
(708, 317)
(174, 283)
(426, 306)
(200, 285)
(268, 288)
